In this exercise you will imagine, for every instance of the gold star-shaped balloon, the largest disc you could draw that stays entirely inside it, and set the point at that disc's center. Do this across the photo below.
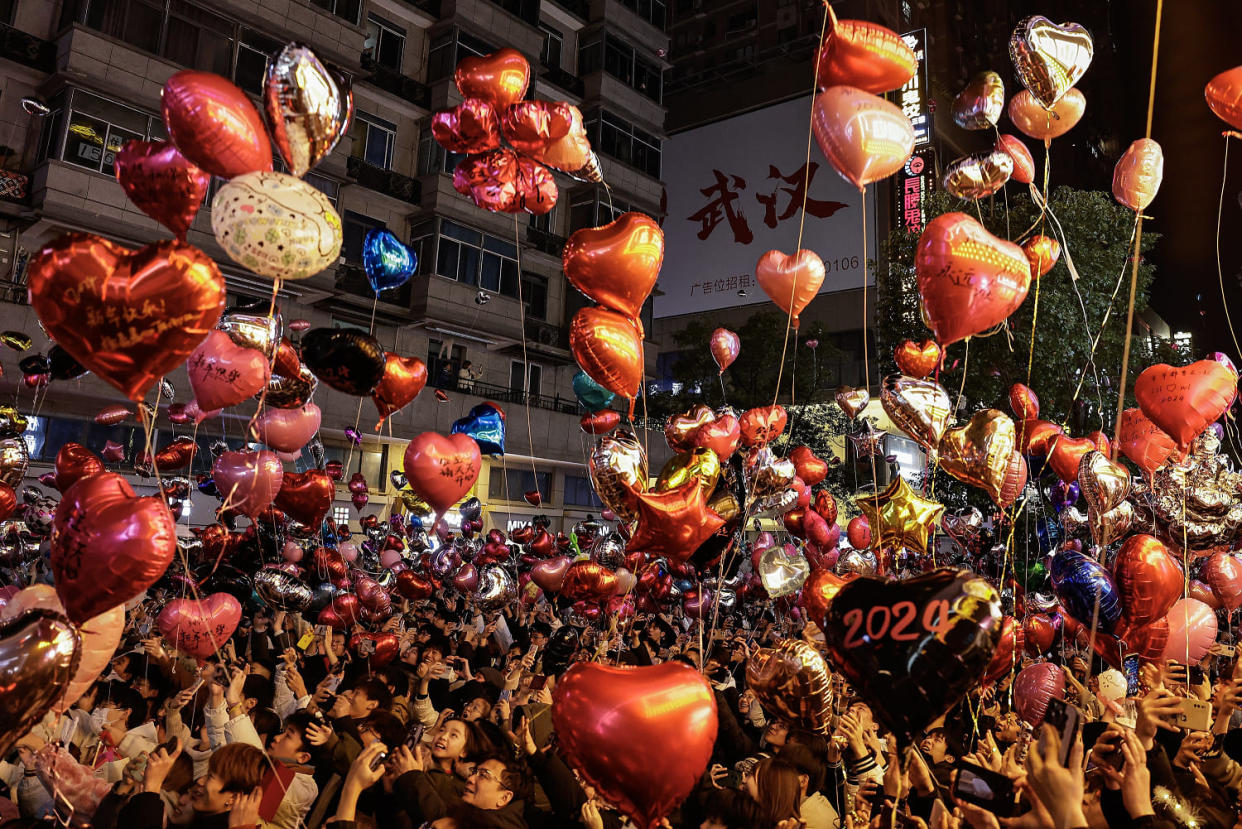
(899, 517)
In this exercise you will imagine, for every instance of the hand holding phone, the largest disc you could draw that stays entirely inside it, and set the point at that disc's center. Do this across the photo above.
(984, 788)
(1066, 719)
(1196, 715)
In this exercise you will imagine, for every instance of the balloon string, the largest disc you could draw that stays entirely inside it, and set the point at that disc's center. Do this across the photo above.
(935, 456)
(1004, 190)
(1030, 357)
(806, 188)
(1138, 238)
(530, 441)
(1220, 209)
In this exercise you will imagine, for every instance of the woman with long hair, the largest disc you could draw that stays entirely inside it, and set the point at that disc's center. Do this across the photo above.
(773, 785)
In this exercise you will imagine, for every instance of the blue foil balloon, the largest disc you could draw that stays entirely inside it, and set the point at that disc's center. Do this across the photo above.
(388, 262)
(1081, 583)
(591, 395)
(1049, 534)
(486, 424)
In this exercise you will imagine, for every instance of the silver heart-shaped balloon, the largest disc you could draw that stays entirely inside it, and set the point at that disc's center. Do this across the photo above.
(307, 109)
(282, 591)
(782, 570)
(1049, 59)
(862, 562)
(978, 176)
(496, 589)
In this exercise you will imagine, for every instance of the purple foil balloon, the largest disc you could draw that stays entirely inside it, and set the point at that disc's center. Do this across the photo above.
(1063, 495)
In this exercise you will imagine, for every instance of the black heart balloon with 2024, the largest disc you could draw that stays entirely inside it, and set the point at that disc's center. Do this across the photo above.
(348, 361)
(913, 648)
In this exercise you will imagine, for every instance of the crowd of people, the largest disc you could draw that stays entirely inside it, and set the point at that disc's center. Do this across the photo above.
(288, 727)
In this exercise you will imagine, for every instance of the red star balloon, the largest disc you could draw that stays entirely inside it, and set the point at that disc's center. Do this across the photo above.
(674, 523)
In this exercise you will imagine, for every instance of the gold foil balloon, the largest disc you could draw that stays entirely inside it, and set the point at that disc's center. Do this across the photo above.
(1197, 502)
(700, 465)
(681, 429)
(307, 111)
(769, 482)
(1107, 527)
(276, 225)
(980, 104)
(978, 176)
(12, 422)
(14, 458)
(40, 652)
(984, 453)
(1029, 116)
(413, 504)
(793, 682)
(920, 408)
(289, 392)
(852, 400)
(1137, 176)
(782, 570)
(724, 504)
(1049, 59)
(1104, 483)
(899, 517)
(618, 469)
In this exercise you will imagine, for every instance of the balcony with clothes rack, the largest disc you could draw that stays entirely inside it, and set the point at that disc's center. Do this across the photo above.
(501, 394)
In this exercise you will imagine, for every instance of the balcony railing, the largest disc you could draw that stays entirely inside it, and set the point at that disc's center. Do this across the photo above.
(567, 81)
(503, 394)
(352, 279)
(384, 181)
(545, 241)
(26, 49)
(403, 86)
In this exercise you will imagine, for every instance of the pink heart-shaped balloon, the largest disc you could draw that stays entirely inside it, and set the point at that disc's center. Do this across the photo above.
(549, 574)
(108, 545)
(223, 373)
(200, 628)
(248, 481)
(162, 183)
(442, 469)
(288, 430)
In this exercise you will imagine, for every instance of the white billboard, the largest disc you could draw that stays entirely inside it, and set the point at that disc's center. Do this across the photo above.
(735, 191)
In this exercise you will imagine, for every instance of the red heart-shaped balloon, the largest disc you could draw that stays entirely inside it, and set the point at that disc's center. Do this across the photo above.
(1148, 579)
(721, 435)
(306, 496)
(341, 613)
(589, 581)
(1148, 641)
(616, 265)
(1065, 453)
(641, 736)
(917, 359)
(1023, 402)
(1023, 163)
(762, 425)
(1042, 252)
(129, 316)
(442, 469)
(549, 574)
(8, 502)
(826, 506)
(865, 55)
(608, 348)
(969, 279)
(162, 183)
(818, 591)
(403, 379)
(386, 647)
(214, 124)
(218, 542)
(73, 463)
(1008, 654)
(108, 545)
(1223, 573)
(200, 628)
(791, 282)
(500, 78)
(413, 586)
(223, 373)
(469, 127)
(1040, 632)
(1036, 436)
(329, 564)
(288, 430)
(810, 468)
(1184, 400)
(601, 422)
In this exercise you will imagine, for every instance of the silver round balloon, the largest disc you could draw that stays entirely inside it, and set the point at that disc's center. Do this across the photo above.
(862, 562)
(306, 107)
(609, 551)
(496, 589)
(250, 330)
(282, 591)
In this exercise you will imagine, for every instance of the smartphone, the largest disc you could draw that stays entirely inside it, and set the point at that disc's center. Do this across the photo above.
(1066, 719)
(414, 736)
(366, 647)
(322, 631)
(379, 760)
(334, 682)
(144, 629)
(1131, 665)
(505, 695)
(199, 684)
(985, 788)
(1196, 715)
(538, 681)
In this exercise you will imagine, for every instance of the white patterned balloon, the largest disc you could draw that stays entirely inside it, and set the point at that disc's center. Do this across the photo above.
(276, 225)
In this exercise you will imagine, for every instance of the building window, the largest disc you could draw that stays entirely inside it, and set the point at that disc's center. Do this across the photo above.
(374, 139)
(654, 12)
(513, 484)
(340, 515)
(621, 60)
(329, 187)
(355, 228)
(98, 128)
(587, 210)
(553, 43)
(535, 295)
(253, 52)
(475, 258)
(619, 139)
(444, 359)
(198, 38)
(580, 493)
(531, 377)
(385, 42)
(344, 9)
(448, 49)
(137, 22)
(434, 159)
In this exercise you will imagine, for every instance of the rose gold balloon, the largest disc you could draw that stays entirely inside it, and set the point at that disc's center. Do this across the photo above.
(552, 133)
(790, 281)
(1032, 119)
(920, 408)
(1042, 252)
(725, 346)
(864, 55)
(980, 104)
(864, 136)
(1224, 96)
(214, 124)
(500, 78)
(617, 264)
(248, 481)
(852, 400)
(469, 127)
(1023, 402)
(608, 348)
(1023, 164)
(1138, 174)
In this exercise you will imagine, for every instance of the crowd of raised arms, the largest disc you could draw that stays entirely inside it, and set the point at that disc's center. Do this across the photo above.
(287, 728)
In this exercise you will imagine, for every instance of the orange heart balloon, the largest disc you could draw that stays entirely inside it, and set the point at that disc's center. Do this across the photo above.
(402, 380)
(762, 425)
(500, 78)
(441, 469)
(608, 348)
(1183, 400)
(790, 281)
(1143, 441)
(917, 359)
(1065, 453)
(1042, 252)
(722, 436)
(681, 429)
(811, 469)
(1034, 436)
(969, 279)
(864, 136)
(1023, 164)
(864, 55)
(616, 265)
(129, 316)
(1224, 96)
(1138, 174)
(1023, 402)
(1029, 116)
